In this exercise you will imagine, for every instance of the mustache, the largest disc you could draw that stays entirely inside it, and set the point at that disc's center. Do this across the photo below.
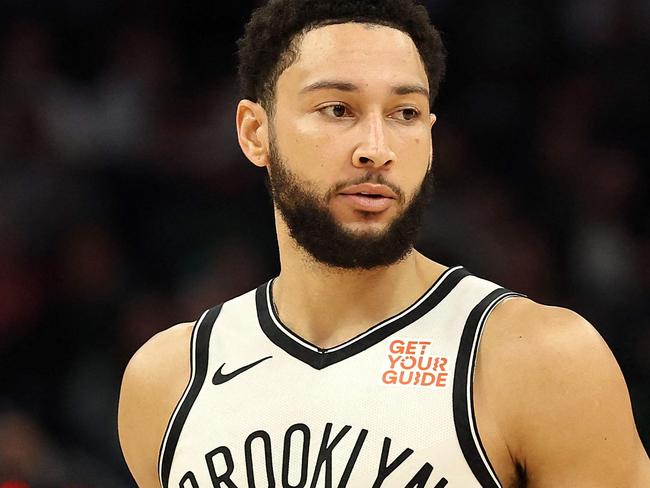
(369, 177)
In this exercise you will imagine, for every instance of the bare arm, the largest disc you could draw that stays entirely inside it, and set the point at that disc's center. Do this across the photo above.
(153, 382)
(564, 408)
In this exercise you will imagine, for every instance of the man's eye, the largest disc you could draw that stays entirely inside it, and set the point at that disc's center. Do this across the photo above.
(338, 110)
(409, 114)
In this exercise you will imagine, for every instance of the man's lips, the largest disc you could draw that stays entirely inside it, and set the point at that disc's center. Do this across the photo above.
(369, 189)
(369, 197)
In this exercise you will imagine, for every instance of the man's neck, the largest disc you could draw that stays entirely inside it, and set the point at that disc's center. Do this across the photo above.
(328, 306)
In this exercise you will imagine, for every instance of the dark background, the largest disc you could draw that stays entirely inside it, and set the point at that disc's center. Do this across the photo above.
(126, 206)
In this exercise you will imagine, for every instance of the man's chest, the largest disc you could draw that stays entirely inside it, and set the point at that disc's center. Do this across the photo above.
(391, 407)
(385, 418)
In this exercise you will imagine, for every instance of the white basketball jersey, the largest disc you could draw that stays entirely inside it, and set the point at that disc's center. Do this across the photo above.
(391, 407)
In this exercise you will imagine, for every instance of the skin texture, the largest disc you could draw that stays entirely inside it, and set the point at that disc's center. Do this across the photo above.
(550, 400)
(153, 383)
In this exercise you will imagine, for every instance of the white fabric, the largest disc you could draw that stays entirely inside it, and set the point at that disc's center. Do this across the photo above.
(284, 391)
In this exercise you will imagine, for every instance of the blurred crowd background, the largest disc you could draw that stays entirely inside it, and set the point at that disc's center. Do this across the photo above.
(126, 206)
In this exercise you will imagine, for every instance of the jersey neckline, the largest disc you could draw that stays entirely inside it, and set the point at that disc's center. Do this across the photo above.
(320, 358)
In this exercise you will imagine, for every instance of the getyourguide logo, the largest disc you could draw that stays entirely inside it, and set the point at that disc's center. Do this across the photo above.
(413, 363)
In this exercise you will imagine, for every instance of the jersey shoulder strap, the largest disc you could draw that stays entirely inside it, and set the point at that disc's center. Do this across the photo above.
(463, 392)
(198, 371)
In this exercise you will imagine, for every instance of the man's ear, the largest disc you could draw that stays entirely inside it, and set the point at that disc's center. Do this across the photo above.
(252, 132)
(432, 121)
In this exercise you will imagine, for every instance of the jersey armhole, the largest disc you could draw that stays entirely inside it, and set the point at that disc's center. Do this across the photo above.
(198, 370)
(463, 393)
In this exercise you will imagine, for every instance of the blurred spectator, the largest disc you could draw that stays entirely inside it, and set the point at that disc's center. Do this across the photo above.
(33, 459)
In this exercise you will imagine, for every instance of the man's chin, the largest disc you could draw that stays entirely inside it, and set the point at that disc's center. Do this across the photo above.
(354, 245)
(365, 230)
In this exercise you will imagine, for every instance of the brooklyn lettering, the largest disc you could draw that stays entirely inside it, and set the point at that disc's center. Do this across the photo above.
(300, 469)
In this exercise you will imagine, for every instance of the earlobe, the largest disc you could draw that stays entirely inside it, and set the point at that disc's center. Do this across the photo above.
(252, 133)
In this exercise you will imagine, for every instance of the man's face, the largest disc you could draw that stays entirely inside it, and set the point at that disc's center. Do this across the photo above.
(350, 145)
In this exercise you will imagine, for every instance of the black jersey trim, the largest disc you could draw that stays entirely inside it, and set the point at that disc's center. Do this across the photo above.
(463, 394)
(320, 358)
(199, 368)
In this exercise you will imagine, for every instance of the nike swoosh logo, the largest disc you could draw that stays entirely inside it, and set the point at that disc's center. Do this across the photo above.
(220, 378)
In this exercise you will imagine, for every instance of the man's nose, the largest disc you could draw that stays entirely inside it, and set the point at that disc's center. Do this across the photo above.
(373, 149)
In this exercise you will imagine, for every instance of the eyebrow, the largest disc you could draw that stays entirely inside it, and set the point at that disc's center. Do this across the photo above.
(330, 85)
(408, 89)
(351, 87)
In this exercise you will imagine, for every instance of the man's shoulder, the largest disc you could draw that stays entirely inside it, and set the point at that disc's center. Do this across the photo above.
(159, 370)
(169, 344)
(547, 343)
(521, 322)
(536, 362)
(153, 383)
(557, 393)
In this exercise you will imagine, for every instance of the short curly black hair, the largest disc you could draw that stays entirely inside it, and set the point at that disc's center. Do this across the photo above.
(269, 46)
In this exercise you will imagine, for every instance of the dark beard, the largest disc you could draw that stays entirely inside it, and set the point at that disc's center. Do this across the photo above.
(312, 225)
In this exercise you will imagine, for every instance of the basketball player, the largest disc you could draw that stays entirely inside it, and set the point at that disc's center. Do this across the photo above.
(364, 363)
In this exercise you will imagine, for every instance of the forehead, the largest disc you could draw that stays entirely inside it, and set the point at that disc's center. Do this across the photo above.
(360, 53)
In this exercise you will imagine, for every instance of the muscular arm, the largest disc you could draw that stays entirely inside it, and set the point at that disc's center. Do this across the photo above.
(562, 405)
(153, 382)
